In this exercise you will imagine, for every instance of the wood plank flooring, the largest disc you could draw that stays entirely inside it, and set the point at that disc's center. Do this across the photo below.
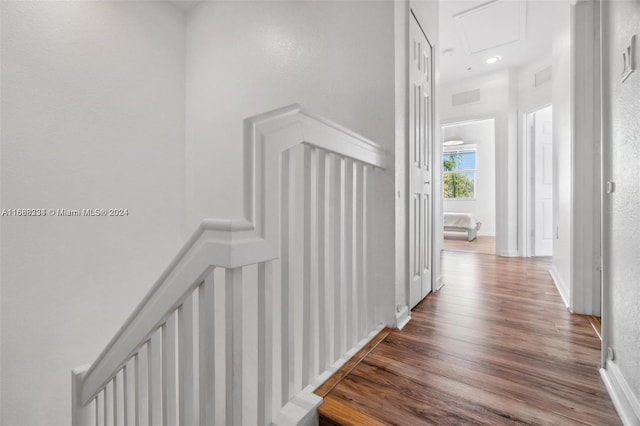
(495, 346)
(456, 241)
(596, 323)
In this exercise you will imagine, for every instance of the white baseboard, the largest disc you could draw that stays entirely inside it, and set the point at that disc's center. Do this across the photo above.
(403, 317)
(439, 283)
(301, 410)
(508, 253)
(562, 287)
(486, 234)
(624, 400)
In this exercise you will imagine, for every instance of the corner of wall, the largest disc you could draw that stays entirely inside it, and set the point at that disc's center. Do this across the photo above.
(622, 396)
(561, 285)
(403, 316)
(401, 40)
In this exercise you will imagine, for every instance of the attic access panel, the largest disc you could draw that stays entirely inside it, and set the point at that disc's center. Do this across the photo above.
(491, 25)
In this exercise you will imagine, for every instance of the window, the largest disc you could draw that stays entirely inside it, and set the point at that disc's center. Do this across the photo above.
(459, 174)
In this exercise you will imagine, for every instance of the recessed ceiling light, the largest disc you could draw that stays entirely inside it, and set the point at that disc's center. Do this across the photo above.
(493, 60)
(447, 52)
(453, 142)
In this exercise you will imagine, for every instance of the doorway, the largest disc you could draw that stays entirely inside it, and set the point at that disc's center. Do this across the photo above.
(540, 201)
(469, 189)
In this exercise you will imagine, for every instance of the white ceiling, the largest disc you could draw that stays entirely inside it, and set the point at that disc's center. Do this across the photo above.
(517, 30)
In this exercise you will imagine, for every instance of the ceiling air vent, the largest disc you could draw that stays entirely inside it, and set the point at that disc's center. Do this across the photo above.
(463, 98)
(542, 77)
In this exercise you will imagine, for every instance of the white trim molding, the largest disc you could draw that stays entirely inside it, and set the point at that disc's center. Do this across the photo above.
(486, 234)
(403, 316)
(439, 283)
(623, 398)
(563, 288)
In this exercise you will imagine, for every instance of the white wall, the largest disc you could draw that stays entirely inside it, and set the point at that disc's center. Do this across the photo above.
(482, 135)
(586, 191)
(562, 164)
(92, 117)
(531, 97)
(621, 297)
(245, 58)
(497, 100)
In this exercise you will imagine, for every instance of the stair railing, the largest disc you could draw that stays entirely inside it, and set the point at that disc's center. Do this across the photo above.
(252, 315)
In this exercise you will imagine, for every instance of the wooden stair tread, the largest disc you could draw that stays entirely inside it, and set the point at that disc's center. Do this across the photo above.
(339, 375)
(335, 413)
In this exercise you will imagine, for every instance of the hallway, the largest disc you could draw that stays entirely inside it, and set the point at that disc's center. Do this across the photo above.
(494, 346)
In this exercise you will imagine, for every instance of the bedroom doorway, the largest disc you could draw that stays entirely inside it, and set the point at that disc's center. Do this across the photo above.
(469, 189)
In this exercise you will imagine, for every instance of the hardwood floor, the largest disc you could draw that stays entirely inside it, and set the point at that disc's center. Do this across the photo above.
(596, 323)
(456, 241)
(495, 346)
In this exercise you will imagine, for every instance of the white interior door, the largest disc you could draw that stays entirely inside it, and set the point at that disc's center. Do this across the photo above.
(420, 157)
(543, 180)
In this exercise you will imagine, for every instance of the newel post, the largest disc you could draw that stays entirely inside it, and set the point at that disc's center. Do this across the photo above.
(80, 415)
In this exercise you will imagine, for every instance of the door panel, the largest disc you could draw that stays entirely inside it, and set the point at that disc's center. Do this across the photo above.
(420, 157)
(543, 178)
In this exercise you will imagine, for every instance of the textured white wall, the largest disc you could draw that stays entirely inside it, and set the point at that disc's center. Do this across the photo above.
(92, 117)
(481, 134)
(562, 167)
(622, 249)
(245, 58)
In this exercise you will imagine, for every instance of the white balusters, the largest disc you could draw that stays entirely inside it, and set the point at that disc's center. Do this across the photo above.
(142, 386)
(265, 341)
(118, 398)
(309, 259)
(359, 220)
(169, 372)
(319, 295)
(331, 244)
(233, 349)
(154, 356)
(339, 259)
(351, 249)
(129, 392)
(207, 349)
(186, 403)
(330, 299)
(100, 406)
(366, 299)
(321, 235)
(287, 249)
